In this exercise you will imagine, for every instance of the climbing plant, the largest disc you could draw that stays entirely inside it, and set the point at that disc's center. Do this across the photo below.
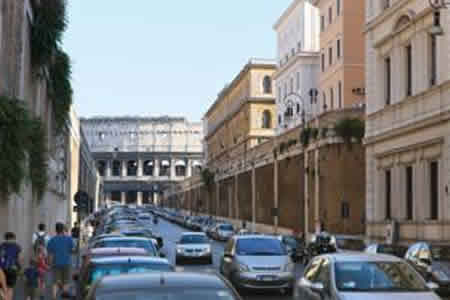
(350, 129)
(305, 136)
(21, 136)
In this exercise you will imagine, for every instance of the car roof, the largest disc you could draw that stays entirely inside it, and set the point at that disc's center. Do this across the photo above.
(125, 238)
(193, 233)
(255, 236)
(361, 257)
(148, 281)
(128, 259)
(116, 250)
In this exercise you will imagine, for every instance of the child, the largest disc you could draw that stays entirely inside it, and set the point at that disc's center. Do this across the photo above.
(42, 267)
(31, 283)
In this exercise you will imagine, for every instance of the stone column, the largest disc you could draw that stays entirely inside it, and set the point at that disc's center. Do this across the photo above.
(253, 198)
(156, 198)
(139, 198)
(108, 168)
(140, 169)
(189, 168)
(123, 197)
(124, 168)
(172, 169)
(156, 168)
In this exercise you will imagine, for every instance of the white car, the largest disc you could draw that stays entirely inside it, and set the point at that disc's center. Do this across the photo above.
(193, 246)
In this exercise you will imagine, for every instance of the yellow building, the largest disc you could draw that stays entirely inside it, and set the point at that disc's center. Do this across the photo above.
(341, 80)
(243, 114)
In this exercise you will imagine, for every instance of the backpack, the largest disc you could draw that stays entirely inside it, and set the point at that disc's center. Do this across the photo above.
(8, 256)
(40, 241)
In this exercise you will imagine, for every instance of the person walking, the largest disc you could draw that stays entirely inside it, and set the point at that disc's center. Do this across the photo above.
(60, 257)
(40, 238)
(10, 262)
(43, 268)
(3, 286)
(31, 281)
(76, 234)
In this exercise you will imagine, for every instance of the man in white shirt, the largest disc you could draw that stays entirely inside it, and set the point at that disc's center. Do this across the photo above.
(41, 233)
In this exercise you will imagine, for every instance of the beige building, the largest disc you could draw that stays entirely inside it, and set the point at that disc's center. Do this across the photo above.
(408, 128)
(243, 114)
(341, 79)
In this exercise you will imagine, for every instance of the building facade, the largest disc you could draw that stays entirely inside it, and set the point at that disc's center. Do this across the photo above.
(341, 79)
(298, 64)
(408, 111)
(140, 157)
(243, 114)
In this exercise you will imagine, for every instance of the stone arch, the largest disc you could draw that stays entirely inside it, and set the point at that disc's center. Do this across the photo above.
(403, 20)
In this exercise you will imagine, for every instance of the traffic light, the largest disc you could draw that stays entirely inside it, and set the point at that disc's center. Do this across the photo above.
(82, 201)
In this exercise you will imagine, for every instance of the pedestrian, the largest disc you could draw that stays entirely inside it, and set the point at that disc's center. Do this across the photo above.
(76, 234)
(244, 224)
(10, 262)
(60, 257)
(43, 268)
(31, 281)
(3, 286)
(40, 238)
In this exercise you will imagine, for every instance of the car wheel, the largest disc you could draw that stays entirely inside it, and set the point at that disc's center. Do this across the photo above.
(178, 261)
(287, 292)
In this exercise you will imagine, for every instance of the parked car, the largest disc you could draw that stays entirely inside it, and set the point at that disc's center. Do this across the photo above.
(106, 252)
(145, 233)
(222, 232)
(257, 262)
(173, 286)
(348, 243)
(295, 247)
(432, 261)
(395, 250)
(193, 246)
(361, 276)
(100, 267)
(129, 242)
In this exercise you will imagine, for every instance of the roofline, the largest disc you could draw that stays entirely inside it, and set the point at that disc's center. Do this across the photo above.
(286, 13)
(252, 63)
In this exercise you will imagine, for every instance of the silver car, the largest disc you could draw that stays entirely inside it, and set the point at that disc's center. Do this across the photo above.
(258, 262)
(193, 246)
(223, 232)
(362, 276)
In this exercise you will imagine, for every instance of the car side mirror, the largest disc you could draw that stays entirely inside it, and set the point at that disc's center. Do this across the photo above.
(432, 286)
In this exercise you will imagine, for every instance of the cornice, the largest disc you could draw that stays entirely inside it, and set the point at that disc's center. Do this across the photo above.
(298, 57)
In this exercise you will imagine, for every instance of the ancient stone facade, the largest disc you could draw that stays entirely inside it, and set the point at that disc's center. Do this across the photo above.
(140, 157)
(408, 121)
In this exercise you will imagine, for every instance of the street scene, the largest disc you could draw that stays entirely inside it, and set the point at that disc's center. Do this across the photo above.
(224, 150)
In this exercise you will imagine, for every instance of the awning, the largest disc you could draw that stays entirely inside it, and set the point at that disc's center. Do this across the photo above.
(165, 163)
(196, 163)
(180, 163)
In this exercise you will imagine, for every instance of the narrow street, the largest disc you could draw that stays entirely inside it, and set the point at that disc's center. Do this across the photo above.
(171, 233)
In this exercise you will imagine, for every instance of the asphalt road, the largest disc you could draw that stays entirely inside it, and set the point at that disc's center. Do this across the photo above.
(171, 234)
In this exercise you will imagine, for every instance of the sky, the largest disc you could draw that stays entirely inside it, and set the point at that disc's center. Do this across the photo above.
(159, 57)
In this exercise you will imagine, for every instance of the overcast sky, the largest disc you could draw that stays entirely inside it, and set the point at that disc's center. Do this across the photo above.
(157, 57)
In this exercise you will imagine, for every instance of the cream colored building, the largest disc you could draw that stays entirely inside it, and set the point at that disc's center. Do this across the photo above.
(407, 127)
(341, 79)
(243, 114)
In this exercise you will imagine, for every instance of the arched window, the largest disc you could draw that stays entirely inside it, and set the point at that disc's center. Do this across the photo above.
(298, 108)
(267, 85)
(180, 168)
(267, 120)
(148, 168)
(132, 167)
(101, 166)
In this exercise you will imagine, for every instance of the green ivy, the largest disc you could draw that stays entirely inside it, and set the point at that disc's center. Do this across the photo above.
(349, 129)
(305, 136)
(49, 24)
(21, 136)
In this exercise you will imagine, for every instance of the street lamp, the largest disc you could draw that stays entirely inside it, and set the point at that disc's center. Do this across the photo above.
(437, 6)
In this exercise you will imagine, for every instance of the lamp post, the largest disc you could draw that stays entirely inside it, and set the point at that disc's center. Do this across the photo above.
(437, 6)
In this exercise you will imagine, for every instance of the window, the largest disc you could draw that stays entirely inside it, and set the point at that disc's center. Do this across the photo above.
(340, 94)
(299, 46)
(298, 108)
(338, 48)
(266, 120)
(323, 62)
(322, 23)
(101, 166)
(338, 7)
(267, 85)
(409, 193)
(116, 168)
(408, 50)
(330, 56)
(433, 60)
(291, 85)
(324, 98)
(345, 210)
(132, 167)
(285, 90)
(434, 194)
(387, 183)
(298, 81)
(330, 14)
(280, 119)
(387, 67)
(331, 98)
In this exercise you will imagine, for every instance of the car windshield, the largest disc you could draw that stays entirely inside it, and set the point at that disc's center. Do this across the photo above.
(172, 294)
(99, 271)
(350, 244)
(441, 253)
(226, 227)
(290, 241)
(398, 251)
(193, 239)
(260, 247)
(377, 277)
(147, 245)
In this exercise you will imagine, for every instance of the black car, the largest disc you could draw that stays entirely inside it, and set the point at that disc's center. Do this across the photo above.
(432, 261)
(116, 265)
(160, 286)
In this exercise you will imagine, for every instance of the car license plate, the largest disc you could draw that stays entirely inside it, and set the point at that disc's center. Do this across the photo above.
(266, 278)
